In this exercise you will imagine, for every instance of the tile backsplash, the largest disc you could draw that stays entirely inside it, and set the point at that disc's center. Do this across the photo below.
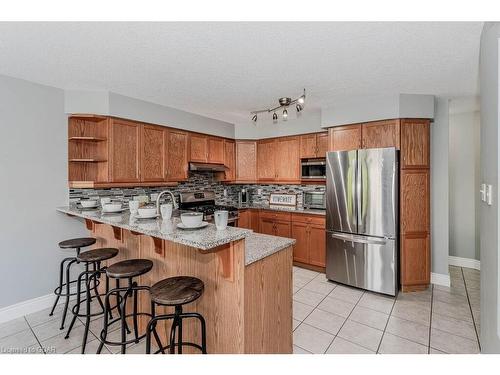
(199, 181)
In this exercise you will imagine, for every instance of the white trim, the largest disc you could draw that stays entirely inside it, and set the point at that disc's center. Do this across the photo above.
(440, 279)
(464, 262)
(27, 307)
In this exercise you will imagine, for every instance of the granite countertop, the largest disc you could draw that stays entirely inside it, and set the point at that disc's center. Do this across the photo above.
(204, 239)
(283, 208)
(258, 246)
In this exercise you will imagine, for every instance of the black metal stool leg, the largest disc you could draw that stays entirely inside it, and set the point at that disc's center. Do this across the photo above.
(104, 333)
(172, 336)
(61, 281)
(97, 266)
(134, 316)
(66, 304)
(108, 307)
(178, 312)
(123, 313)
(87, 318)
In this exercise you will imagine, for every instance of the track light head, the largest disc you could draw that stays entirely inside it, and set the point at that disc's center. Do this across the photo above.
(285, 115)
(275, 117)
(254, 118)
(299, 107)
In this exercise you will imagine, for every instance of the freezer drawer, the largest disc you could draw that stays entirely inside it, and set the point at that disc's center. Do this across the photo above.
(361, 261)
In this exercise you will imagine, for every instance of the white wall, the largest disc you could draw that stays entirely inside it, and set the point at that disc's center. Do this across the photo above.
(109, 103)
(440, 188)
(33, 169)
(464, 181)
(489, 66)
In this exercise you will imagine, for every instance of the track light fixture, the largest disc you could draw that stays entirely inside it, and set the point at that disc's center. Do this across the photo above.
(284, 103)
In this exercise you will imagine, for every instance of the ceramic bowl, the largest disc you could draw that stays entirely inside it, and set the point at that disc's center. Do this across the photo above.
(147, 212)
(192, 219)
(112, 207)
(88, 203)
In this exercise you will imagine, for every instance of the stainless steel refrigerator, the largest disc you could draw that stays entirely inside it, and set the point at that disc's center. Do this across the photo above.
(362, 218)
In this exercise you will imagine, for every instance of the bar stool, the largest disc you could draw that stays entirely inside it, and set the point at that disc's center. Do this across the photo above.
(77, 244)
(127, 269)
(175, 291)
(91, 257)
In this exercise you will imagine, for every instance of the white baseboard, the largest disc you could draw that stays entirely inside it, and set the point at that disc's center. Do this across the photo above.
(464, 262)
(440, 279)
(27, 307)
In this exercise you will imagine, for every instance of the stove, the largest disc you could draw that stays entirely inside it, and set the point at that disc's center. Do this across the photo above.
(204, 201)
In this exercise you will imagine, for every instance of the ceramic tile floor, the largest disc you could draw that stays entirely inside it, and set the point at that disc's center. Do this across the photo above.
(330, 318)
(327, 318)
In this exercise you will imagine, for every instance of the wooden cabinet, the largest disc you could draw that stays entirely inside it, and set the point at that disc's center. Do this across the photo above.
(380, 134)
(124, 150)
(216, 150)
(275, 223)
(244, 219)
(415, 261)
(414, 200)
(198, 148)
(343, 138)
(415, 143)
(309, 231)
(230, 160)
(287, 159)
(313, 145)
(266, 164)
(246, 161)
(176, 152)
(152, 166)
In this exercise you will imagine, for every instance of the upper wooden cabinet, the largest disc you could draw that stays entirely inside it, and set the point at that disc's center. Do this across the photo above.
(415, 143)
(246, 161)
(176, 152)
(266, 163)
(344, 138)
(230, 160)
(206, 149)
(125, 146)
(380, 134)
(153, 167)
(287, 159)
(313, 145)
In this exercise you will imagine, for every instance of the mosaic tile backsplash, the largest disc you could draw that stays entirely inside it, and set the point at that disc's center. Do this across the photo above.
(199, 181)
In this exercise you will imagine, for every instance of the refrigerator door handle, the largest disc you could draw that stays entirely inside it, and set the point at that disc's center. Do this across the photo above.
(358, 239)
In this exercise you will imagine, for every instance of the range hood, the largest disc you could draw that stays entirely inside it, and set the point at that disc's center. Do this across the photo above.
(207, 167)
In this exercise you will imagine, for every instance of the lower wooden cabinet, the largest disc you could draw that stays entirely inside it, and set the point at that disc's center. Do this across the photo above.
(415, 261)
(309, 231)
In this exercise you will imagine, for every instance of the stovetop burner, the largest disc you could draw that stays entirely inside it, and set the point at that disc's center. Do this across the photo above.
(205, 202)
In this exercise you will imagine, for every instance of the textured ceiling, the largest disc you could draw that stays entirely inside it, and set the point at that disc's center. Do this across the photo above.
(225, 70)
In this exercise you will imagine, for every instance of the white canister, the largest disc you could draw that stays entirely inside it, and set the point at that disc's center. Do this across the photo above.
(166, 211)
(221, 218)
(133, 206)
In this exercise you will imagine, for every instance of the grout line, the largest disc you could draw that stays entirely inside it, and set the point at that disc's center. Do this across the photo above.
(36, 337)
(430, 321)
(386, 324)
(470, 308)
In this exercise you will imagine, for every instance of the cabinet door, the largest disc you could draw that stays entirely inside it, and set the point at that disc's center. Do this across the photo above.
(152, 154)
(177, 155)
(125, 151)
(288, 159)
(246, 161)
(380, 134)
(415, 259)
(198, 148)
(229, 160)
(254, 220)
(415, 143)
(321, 144)
(414, 200)
(216, 150)
(317, 245)
(283, 229)
(300, 250)
(244, 219)
(266, 166)
(267, 226)
(343, 138)
(308, 146)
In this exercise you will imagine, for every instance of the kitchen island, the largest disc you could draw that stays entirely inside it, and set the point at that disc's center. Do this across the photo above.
(247, 302)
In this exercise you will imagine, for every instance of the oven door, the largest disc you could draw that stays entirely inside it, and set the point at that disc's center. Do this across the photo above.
(313, 170)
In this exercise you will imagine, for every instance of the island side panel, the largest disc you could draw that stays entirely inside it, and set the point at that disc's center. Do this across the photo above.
(268, 304)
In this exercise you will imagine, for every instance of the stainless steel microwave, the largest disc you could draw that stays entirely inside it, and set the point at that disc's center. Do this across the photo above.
(313, 169)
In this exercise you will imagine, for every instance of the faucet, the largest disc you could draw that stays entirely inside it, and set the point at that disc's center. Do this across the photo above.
(174, 203)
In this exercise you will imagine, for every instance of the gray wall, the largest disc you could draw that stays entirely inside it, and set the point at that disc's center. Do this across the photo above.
(488, 73)
(439, 188)
(33, 166)
(464, 182)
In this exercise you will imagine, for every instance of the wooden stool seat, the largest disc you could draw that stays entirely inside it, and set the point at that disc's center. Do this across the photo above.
(176, 291)
(75, 243)
(129, 268)
(97, 255)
